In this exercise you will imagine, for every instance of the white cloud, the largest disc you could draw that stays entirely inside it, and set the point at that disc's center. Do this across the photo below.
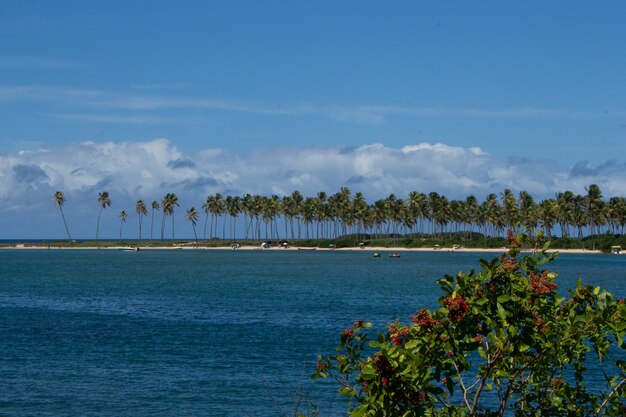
(148, 170)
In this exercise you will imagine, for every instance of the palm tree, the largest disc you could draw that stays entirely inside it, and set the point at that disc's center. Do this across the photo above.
(321, 206)
(510, 211)
(528, 212)
(298, 200)
(103, 201)
(155, 206)
(215, 206)
(192, 216)
(142, 210)
(206, 207)
(59, 199)
(471, 209)
(247, 207)
(547, 216)
(170, 201)
(494, 214)
(123, 217)
(618, 213)
(566, 206)
(594, 203)
(233, 207)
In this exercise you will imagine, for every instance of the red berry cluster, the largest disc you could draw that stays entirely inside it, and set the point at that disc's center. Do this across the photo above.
(555, 382)
(384, 369)
(400, 336)
(514, 246)
(348, 333)
(457, 307)
(507, 266)
(542, 284)
(358, 324)
(416, 397)
(321, 366)
(423, 319)
(540, 324)
(366, 388)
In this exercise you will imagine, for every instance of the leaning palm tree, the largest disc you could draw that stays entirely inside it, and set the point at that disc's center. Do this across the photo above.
(206, 207)
(141, 210)
(103, 201)
(192, 216)
(155, 206)
(59, 199)
(123, 217)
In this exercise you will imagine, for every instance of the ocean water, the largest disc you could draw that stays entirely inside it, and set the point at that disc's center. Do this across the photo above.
(206, 333)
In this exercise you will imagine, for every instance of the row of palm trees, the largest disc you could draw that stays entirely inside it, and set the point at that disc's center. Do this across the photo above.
(329, 216)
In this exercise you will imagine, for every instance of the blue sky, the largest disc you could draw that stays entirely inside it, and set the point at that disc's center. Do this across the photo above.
(538, 87)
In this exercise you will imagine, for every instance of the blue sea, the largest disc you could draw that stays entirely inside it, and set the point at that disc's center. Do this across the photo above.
(206, 333)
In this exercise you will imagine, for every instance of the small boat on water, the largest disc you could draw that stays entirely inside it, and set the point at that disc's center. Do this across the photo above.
(616, 250)
(307, 248)
(394, 255)
(130, 249)
(376, 255)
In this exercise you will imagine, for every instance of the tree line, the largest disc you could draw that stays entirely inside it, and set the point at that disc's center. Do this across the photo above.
(325, 216)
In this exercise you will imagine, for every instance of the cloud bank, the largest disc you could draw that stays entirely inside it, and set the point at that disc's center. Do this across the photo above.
(147, 170)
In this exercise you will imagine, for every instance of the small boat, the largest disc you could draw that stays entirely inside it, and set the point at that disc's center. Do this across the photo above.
(376, 255)
(616, 250)
(394, 255)
(307, 248)
(130, 249)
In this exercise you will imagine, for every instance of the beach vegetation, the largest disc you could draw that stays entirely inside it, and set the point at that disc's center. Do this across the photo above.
(346, 219)
(503, 342)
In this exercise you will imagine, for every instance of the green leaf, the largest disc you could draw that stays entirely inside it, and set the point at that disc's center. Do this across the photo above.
(501, 311)
(411, 344)
(504, 298)
(368, 372)
(347, 392)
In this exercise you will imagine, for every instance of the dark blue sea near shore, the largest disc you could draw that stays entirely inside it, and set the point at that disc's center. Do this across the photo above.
(206, 333)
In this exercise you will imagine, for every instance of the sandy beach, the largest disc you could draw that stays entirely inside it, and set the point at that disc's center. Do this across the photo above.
(381, 249)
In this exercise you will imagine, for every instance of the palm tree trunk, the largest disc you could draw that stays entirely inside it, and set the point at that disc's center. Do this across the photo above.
(163, 227)
(98, 225)
(65, 223)
(152, 224)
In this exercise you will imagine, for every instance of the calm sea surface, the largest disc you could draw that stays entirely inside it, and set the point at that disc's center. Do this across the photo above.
(207, 333)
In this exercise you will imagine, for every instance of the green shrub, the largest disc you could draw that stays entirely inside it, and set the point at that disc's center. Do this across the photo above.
(503, 342)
